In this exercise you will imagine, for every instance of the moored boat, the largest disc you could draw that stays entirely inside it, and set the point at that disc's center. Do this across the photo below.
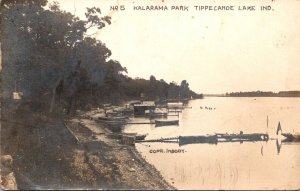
(242, 137)
(175, 105)
(291, 137)
(156, 113)
(166, 122)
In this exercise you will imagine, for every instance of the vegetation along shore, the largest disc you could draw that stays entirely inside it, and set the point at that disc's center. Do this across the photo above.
(51, 71)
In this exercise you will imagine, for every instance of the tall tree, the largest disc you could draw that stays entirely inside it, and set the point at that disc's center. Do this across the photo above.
(42, 47)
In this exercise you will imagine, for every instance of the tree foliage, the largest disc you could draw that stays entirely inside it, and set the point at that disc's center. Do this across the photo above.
(49, 54)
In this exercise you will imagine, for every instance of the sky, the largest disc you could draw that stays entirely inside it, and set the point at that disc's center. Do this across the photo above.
(215, 51)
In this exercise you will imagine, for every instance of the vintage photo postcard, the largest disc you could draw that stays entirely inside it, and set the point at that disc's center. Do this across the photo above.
(150, 94)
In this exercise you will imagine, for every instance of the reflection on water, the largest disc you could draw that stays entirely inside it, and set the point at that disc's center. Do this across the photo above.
(234, 165)
(280, 142)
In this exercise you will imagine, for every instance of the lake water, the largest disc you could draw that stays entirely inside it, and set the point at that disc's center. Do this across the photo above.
(247, 165)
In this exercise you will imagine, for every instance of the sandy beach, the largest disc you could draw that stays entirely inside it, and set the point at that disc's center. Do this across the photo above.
(122, 165)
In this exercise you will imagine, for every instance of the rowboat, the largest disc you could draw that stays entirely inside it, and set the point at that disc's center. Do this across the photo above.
(140, 137)
(166, 122)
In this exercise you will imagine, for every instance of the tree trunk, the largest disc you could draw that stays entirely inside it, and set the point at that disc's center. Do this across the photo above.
(54, 95)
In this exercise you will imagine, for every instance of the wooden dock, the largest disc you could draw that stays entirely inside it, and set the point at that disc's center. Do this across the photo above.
(212, 139)
(139, 123)
(242, 137)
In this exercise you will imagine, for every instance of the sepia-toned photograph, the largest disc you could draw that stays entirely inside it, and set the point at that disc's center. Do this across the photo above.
(150, 94)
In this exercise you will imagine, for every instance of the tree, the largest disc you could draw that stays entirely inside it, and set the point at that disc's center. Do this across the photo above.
(184, 89)
(173, 91)
(42, 47)
(152, 91)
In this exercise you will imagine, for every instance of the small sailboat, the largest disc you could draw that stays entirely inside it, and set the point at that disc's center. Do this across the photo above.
(289, 136)
(292, 137)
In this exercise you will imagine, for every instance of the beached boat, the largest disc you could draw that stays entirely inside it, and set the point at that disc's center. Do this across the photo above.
(166, 122)
(140, 137)
(104, 118)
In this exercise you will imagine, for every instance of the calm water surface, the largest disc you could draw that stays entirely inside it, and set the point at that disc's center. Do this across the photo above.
(248, 165)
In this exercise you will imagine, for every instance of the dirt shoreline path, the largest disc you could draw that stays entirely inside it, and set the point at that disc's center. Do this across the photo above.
(116, 165)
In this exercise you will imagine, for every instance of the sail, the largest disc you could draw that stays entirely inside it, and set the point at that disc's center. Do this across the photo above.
(278, 128)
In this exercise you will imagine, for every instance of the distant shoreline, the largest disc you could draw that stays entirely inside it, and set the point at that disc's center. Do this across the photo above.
(257, 94)
(250, 96)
